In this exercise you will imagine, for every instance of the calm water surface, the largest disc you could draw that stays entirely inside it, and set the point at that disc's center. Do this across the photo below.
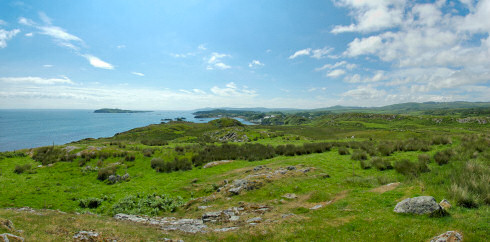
(21, 129)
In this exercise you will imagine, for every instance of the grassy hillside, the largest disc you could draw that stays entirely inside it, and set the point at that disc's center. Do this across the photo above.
(332, 178)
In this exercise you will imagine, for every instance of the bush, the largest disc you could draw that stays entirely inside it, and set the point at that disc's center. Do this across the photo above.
(105, 172)
(90, 202)
(157, 164)
(365, 164)
(154, 142)
(152, 204)
(176, 165)
(381, 164)
(130, 157)
(343, 151)
(408, 168)
(19, 169)
(48, 155)
(471, 184)
(440, 140)
(148, 152)
(424, 158)
(359, 155)
(386, 149)
(443, 157)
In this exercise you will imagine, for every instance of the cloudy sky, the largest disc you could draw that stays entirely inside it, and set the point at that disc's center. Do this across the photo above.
(178, 55)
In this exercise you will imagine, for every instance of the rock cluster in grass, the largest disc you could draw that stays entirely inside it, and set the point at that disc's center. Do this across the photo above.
(86, 236)
(449, 236)
(10, 237)
(215, 163)
(418, 205)
(226, 220)
(9, 226)
(260, 174)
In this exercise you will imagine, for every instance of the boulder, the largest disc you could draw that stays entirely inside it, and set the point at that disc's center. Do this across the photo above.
(290, 196)
(10, 238)
(449, 236)
(418, 205)
(86, 236)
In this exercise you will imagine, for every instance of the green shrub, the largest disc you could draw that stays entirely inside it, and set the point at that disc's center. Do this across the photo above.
(11, 154)
(90, 202)
(148, 152)
(19, 169)
(440, 140)
(359, 155)
(176, 165)
(151, 204)
(443, 157)
(471, 184)
(343, 151)
(154, 142)
(105, 172)
(381, 164)
(386, 149)
(408, 168)
(48, 155)
(130, 157)
(365, 164)
(424, 158)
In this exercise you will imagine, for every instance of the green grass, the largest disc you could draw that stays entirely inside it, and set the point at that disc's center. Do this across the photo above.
(355, 212)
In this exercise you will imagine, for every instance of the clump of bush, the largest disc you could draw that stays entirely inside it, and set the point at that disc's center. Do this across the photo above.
(381, 164)
(359, 155)
(154, 142)
(90, 202)
(19, 169)
(424, 158)
(129, 157)
(386, 149)
(176, 165)
(152, 204)
(105, 172)
(11, 154)
(365, 164)
(48, 155)
(443, 157)
(148, 152)
(408, 168)
(343, 151)
(440, 140)
(471, 185)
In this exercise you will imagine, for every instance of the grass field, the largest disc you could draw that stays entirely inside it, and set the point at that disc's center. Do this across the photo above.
(355, 203)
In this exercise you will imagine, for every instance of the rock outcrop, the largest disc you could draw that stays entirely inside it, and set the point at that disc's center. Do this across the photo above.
(449, 236)
(418, 205)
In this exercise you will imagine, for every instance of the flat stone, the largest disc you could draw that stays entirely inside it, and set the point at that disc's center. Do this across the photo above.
(445, 204)
(86, 236)
(226, 229)
(234, 218)
(255, 220)
(11, 237)
(290, 196)
(317, 207)
(449, 236)
(235, 190)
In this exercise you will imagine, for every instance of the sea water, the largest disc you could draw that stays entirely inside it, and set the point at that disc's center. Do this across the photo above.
(20, 129)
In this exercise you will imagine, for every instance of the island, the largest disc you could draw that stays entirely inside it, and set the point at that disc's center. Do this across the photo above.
(116, 110)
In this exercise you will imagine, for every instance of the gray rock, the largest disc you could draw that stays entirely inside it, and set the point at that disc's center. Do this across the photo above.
(287, 215)
(113, 179)
(291, 168)
(235, 190)
(290, 196)
(203, 207)
(418, 205)
(255, 220)
(10, 237)
(317, 207)
(225, 229)
(449, 236)
(211, 217)
(445, 204)
(186, 225)
(86, 236)
(258, 168)
(125, 177)
(234, 218)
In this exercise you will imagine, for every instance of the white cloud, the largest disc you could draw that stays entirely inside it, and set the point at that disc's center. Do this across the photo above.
(255, 64)
(137, 73)
(121, 46)
(365, 93)
(37, 80)
(336, 65)
(364, 46)
(60, 36)
(320, 53)
(96, 62)
(6, 35)
(202, 47)
(214, 61)
(29, 34)
(300, 53)
(231, 90)
(313, 53)
(47, 66)
(356, 78)
(372, 15)
(336, 73)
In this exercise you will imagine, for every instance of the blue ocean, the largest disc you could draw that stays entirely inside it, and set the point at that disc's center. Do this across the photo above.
(20, 129)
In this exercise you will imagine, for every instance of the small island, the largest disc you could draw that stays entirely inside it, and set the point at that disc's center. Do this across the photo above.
(116, 110)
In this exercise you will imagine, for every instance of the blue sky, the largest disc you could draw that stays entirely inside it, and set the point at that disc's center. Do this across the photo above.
(178, 55)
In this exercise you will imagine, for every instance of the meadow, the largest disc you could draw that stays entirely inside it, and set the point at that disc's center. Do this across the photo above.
(334, 177)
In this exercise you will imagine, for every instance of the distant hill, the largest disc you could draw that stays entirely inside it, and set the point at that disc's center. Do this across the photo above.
(115, 110)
